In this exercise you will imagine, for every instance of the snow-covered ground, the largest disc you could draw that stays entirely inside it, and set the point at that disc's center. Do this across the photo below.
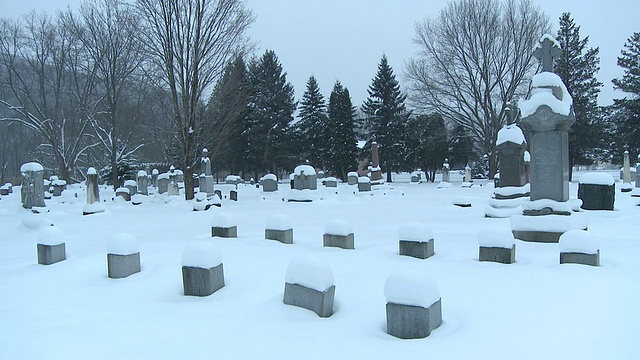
(533, 309)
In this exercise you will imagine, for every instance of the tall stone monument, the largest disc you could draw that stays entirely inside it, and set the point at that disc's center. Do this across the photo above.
(205, 179)
(511, 146)
(626, 174)
(32, 191)
(546, 118)
(93, 204)
(445, 171)
(376, 172)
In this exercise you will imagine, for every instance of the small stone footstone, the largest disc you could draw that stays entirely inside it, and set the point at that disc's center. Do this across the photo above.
(597, 191)
(414, 307)
(497, 245)
(279, 228)
(309, 284)
(123, 256)
(331, 182)
(364, 184)
(416, 240)
(124, 193)
(462, 201)
(233, 195)
(338, 233)
(224, 225)
(579, 247)
(202, 270)
(51, 247)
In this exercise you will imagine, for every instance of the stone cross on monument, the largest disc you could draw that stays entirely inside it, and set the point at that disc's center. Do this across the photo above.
(546, 51)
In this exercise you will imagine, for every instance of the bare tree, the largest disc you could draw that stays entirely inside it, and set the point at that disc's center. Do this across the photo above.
(108, 30)
(191, 41)
(45, 86)
(473, 58)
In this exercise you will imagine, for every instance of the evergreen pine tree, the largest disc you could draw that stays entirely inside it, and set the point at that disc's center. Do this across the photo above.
(627, 126)
(387, 117)
(577, 67)
(312, 133)
(342, 152)
(271, 113)
(227, 110)
(426, 141)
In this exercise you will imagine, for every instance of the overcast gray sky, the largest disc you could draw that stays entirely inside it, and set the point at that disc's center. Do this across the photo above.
(345, 39)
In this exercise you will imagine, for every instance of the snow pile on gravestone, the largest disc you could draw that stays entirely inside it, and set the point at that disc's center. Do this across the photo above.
(201, 255)
(31, 166)
(35, 222)
(223, 219)
(495, 236)
(278, 222)
(542, 94)
(411, 288)
(310, 271)
(122, 244)
(414, 231)
(597, 178)
(578, 241)
(51, 236)
(510, 133)
(338, 227)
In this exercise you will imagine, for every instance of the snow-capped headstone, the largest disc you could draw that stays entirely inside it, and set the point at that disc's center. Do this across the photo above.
(352, 178)
(269, 183)
(305, 178)
(414, 306)
(331, 182)
(597, 191)
(511, 146)
(280, 228)
(445, 171)
(58, 186)
(154, 177)
(123, 256)
(6, 189)
(376, 172)
(497, 245)
(142, 182)
(579, 247)
(224, 225)
(202, 270)
(364, 184)
(51, 245)
(32, 191)
(93, 204)
(309, 284)
(626, 174)
(205, 179)
(132, 185)
(338, 233)
(123, 192)
(416, 240)
(163, 183)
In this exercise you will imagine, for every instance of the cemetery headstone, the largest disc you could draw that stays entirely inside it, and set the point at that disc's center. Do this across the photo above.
(279, 228)
(309, 284)
(163, 183)
(597, 191)
(338, 233)
(579, 247)
(511, 146)
(205, 179)
(414, 306)
(376, 172)
(123, 192)
(123, 256)
(32, 191)
(202, 270)
(331, 182)
(51, 246)
(132, 185)
(305, 178)
(224, 225)
(364, 184)
(154, 177)
(142, 182)
(352, 178)
(445, 171)
(626, 174)
(497, 245)
(93, 204)
(269, 183)
(58, 185)
(416, 240)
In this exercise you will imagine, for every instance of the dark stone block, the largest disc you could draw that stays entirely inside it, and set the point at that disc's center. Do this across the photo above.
(218, 192)
(364, 186)
(320, 302)
(51, 254)
(538, 236)
(420, 250)
(580, 258)
(202, 282)
(233, 195)
(121, 266)
(284, 236)
(225, 232)
(498, 254)
(597, 197)
(413, 322)
(341, 241)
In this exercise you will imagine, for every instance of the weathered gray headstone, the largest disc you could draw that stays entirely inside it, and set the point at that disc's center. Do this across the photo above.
(352, 178)
(163, 183)
(132, 185)
(511, 146)
(376, 172)
(597, 191)
(142, 182)
(205, 181)
(93, 192)
(626, 173)
(309, 284)
(269, 183)
(197, 281)
(154, 177)
(32, 191)
(305, 178)
(498, 254)
(320, 302)
(445, 171)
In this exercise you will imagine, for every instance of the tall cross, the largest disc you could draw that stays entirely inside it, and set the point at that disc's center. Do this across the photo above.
(546, 51)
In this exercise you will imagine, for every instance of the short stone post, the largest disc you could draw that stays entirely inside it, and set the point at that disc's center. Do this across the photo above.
(416, 240)
(338, 233)
(445, 171)
(154, 177)
(364, 184)
(279, 228)
(202, 270)
(626, 174)
(309, 284)
(352, 178)
(497, 245)
(638, 173)
(224, 225)
(51, 247)
(123, 256)
(58, 185)
(579, 247)
(414, 306)
(597, 191)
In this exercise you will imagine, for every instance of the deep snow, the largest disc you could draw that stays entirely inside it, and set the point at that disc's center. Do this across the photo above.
(533, 309)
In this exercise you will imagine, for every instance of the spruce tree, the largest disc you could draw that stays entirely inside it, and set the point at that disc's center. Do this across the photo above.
(387, 117)
(577, 67)
(312, 125)
(426, 141)
(627, 125)
(271, 113)
(342, 152)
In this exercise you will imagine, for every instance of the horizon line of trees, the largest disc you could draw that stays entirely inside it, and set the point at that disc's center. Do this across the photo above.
(118, 84)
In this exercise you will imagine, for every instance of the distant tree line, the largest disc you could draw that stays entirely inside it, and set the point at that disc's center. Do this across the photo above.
(119, 84)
